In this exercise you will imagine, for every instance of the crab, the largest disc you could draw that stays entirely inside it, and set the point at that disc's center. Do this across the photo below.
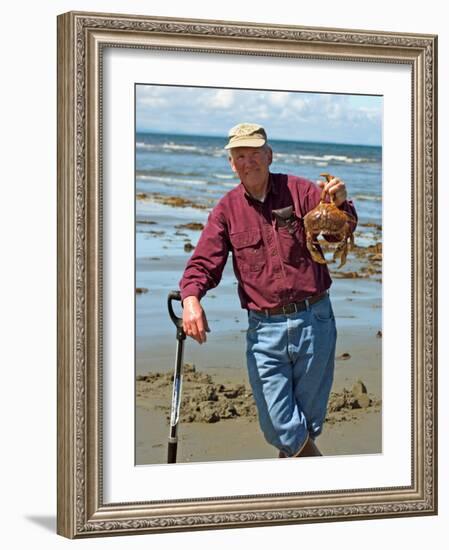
(327, 219)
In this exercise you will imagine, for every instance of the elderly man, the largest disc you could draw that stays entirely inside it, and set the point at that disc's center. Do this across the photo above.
(291, 332)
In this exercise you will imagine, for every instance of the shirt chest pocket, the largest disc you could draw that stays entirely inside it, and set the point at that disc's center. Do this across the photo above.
(248, 250)
(291, 242)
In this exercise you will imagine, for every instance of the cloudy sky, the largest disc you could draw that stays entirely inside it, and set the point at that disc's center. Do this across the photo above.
(295, 116)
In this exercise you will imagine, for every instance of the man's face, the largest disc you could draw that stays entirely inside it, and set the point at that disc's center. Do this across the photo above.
(251, 164)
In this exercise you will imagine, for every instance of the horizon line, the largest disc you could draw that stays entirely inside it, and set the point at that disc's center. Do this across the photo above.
(272, 139)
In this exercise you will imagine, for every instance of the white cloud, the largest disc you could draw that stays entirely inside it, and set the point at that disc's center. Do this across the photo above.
(334, 111)
(279, 99)
(222, 99)
(152, 97)
(298, 104)
(154, 101)
(371, 114)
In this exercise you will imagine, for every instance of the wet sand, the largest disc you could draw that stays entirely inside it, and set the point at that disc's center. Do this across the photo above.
(241, 439)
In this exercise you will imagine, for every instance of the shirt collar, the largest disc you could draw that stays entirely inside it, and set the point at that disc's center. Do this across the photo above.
(271, 188)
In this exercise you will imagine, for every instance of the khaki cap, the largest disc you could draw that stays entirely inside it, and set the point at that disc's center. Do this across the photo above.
(246, 135)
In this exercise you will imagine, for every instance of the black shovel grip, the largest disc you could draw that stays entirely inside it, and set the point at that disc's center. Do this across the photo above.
(174, 295)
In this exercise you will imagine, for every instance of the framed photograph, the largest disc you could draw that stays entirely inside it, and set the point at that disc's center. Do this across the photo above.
(179, 178)
(158, 433)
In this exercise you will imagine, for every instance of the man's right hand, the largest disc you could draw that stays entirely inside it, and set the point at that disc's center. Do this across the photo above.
(194, 320)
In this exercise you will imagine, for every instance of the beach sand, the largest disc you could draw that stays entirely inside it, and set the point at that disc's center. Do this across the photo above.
(234, 433)
(356, 299)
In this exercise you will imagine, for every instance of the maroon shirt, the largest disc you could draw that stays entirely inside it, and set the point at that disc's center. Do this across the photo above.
(271, 262)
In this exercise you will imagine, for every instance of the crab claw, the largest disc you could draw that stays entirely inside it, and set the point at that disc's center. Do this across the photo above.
(341, 252)
(328, 179)
(315, 252)
(327, 176)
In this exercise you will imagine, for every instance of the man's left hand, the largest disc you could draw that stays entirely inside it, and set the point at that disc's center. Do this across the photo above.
(336, 189)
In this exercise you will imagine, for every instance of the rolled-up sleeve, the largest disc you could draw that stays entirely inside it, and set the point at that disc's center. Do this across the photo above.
(205, 267)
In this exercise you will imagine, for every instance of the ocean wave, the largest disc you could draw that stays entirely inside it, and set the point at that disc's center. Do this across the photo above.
(164, 172)
(321, 160)
(165, 179)
(176, 147)
(171, 147)
(143, 145)
(375, 198)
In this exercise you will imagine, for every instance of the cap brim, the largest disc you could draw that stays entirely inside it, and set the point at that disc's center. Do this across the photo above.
(250, 142)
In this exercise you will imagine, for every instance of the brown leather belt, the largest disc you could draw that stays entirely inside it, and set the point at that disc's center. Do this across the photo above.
(295, 306)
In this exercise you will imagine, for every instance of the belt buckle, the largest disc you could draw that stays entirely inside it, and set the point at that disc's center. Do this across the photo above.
(289, 308)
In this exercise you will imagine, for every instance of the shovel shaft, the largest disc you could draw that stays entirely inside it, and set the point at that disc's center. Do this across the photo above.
(177, 388)
(177, 379)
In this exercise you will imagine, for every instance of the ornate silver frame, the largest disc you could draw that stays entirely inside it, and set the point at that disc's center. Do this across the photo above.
(81, 37)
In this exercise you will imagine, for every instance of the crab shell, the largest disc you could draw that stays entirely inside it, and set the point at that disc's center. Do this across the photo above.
(328, 219)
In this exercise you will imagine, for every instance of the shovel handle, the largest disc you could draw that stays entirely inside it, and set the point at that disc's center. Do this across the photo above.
(174, 295)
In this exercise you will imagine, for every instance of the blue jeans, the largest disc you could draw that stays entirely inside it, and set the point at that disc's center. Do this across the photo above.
(291, 361)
